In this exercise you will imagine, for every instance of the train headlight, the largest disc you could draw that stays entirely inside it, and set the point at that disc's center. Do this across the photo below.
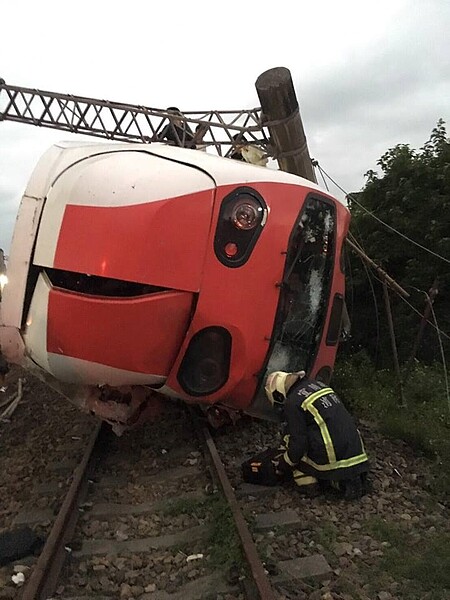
(246, 214)
(242, 216)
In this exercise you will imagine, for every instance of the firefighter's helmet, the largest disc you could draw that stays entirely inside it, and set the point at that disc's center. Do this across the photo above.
(278, 384)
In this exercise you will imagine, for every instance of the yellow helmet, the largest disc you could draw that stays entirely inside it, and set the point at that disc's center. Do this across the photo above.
(281, 382)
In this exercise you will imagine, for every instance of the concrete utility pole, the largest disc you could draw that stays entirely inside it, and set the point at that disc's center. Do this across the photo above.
(282, 117)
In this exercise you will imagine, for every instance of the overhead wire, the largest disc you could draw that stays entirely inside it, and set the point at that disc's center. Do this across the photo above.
(435, 325)
(362, 248)
(355, 241)
(374, 296)
(377, 314)
(444, 364)
(369, 212)
(316, 165)
(440, 331)
(441, 346)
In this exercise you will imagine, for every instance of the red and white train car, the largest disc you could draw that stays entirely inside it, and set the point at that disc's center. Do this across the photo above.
(137, 267)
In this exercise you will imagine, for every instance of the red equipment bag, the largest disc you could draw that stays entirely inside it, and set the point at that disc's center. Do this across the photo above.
(260, 469)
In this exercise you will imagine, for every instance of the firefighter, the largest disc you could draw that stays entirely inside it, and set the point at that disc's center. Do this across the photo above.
(323, 447)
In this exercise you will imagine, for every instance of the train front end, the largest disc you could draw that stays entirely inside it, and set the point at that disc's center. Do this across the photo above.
(143, 272)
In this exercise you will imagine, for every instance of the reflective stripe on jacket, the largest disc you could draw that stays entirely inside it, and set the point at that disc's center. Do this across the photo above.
(323, 438)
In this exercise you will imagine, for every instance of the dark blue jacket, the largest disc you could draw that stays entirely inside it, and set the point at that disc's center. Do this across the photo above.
(322, 438)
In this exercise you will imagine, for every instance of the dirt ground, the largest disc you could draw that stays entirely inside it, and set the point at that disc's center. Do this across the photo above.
(394, 544)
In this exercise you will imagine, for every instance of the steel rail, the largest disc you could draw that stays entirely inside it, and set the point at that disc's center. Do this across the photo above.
(257, 569)
(44, 577)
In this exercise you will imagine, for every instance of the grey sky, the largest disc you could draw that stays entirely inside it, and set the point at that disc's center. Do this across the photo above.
(367, 75)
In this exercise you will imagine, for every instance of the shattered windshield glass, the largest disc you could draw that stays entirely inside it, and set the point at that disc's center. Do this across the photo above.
(305, 288)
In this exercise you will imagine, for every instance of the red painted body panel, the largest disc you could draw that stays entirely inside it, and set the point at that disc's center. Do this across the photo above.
(326, 355)
(244, 300)
(160, 243)
(126, 333)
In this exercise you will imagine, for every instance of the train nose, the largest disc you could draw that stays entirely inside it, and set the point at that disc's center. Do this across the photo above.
(120, 252)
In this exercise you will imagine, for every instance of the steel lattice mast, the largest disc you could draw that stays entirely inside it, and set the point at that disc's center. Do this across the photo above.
(220, 131)
(276, 128)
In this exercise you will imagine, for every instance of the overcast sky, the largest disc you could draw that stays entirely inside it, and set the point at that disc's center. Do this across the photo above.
(368, 75)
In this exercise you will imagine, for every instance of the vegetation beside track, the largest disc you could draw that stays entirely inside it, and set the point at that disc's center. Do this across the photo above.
(419, 562)
(398, 219)
(226, 551)
(424, 423)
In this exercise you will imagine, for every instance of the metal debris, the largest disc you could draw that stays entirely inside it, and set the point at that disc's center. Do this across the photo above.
(193, 557)
(13, 402)
(18, 579)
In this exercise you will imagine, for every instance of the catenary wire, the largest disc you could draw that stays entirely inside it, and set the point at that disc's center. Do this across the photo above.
(377, 316)
(400, 295)
(439, 334)
(316, 165)
(440, 331)
(353, 199)
(444, 364)
(374, 296)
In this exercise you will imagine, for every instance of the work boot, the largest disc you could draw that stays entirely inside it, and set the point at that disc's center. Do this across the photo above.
(352, 488)
(309, 491)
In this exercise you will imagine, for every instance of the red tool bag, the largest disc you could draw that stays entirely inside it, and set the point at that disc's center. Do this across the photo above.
(260, 469)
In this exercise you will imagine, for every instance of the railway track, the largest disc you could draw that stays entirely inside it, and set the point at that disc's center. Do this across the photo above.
(151, 516)
(152, 501)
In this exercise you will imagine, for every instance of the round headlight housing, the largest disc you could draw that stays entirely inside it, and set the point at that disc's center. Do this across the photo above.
(246, 214)
(243, 214)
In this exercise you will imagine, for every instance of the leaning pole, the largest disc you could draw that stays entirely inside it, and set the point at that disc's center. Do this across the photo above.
(281, 115)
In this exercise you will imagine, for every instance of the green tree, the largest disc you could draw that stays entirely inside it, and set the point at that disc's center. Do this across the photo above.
(412, 196)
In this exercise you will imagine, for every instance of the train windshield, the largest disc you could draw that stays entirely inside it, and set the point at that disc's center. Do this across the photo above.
(305, 289)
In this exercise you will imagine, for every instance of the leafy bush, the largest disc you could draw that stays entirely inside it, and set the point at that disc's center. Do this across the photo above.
(411, 196)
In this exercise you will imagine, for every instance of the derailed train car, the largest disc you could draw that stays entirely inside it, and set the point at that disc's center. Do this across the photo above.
(143, 272)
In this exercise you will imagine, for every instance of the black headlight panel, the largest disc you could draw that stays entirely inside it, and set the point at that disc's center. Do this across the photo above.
(206, 365)
(242, 216)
